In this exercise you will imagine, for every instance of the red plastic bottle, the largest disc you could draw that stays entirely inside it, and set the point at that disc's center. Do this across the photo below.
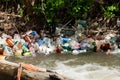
(1, 51)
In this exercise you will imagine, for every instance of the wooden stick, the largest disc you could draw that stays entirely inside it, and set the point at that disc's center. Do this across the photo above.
(14, 15)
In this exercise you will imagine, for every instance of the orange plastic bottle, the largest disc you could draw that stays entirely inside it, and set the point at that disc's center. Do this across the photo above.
(9, 42)
(1, 51)
(27, 39)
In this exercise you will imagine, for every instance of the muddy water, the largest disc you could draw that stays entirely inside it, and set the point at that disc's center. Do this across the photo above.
(87, 66)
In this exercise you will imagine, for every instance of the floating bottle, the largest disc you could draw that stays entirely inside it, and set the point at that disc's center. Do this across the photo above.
(58, 50)
(9, 42)
(7, 51)
(1, 50)
(27, 39)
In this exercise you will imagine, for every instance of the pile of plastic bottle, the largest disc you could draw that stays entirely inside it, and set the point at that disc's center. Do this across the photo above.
(32, 43)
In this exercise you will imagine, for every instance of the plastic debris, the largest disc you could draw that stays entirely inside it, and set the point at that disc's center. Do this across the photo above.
(31, 43)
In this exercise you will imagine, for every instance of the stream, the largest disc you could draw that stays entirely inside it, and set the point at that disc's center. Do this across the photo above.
(85, 66)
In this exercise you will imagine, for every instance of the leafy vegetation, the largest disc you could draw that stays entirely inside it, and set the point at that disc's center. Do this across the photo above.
(60, 10)
(109, 11)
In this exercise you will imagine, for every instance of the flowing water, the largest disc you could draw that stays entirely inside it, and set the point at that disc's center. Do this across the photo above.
(85, 66)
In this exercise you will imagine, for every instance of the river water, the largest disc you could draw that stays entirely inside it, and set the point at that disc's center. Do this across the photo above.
(87, 66)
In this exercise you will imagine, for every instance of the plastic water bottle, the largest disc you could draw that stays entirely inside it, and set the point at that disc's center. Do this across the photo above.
(7, 50)
(40, 42)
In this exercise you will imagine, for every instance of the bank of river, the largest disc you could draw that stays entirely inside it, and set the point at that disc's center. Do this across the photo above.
(85, 66)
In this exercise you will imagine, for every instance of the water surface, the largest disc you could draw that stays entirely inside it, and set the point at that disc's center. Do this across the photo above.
(87, 66)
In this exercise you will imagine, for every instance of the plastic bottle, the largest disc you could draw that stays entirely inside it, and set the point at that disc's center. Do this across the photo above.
(27, 53)
(65, 39)
(25, 49)
(9, 42)
(94, 46)
(58, 50)
(7, 51)
(40, 42)
(18, 52)
(1, 50)
(31, 49)
(27, 39)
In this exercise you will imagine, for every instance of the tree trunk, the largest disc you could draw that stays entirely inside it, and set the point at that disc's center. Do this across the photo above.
(8, 71)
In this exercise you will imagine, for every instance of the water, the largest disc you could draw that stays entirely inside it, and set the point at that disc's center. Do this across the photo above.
(78, 67)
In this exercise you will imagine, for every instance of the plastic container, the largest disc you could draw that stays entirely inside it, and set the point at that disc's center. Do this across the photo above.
(31, 49)
(65, 39)
(67, 47)
(27, 39)
(34, 34)
(9, 42)
(58, 50)
(27, 53)
(17, 36)
(18, 52)
(94, 46)
(1, 50)
(25, 49)
(40, 42)
(7, 51)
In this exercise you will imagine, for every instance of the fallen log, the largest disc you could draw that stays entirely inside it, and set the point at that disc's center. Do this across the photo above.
(8, 71)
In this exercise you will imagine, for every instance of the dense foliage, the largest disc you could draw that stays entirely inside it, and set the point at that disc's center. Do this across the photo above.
(61, 10)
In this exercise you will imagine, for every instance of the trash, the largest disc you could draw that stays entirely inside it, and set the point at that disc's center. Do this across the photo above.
(58, 49)
(40, 42)
(44, 50)
(36, 46)
(4, 36)
(67, 47)
(75, 45)
(1, 50)
(80, 29)
(7, 51)
(27, 39)
(76, 52)
(25, 49)
(31, 43)
(34, 34)
(9, 42)
(105, 46)
(84, 46)
(31, 49)
(46, 41)
(16, 36)
(65, 39)
(18, 52)
(94, 46)
(17, 49)
(113, 40)
(26, 53)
